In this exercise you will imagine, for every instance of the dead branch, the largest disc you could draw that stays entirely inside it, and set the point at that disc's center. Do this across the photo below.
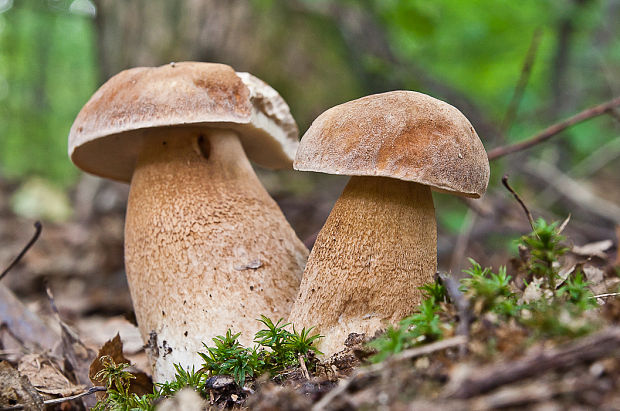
(574, 191)
(373, 369)
(602, 344)
(38, 227)
(557, 128)
(90, 391)
(516, 196)
(521, 395)
(462, 305)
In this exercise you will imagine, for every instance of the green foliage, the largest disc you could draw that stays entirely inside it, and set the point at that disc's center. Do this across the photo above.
(277, 350)
(434, 291)
(229, 357)
(419, 328)
(577, 292)
(115, 375)
(281, 349)
(490, 290)
(556, 319)
(545, 246)
(183, 378)
(47, 72)
(117, 380)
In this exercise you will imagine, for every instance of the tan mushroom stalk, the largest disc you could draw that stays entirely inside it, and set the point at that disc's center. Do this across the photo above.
(379, 243)
(206, 247)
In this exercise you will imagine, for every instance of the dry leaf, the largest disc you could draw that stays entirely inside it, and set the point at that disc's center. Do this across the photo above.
(532, 292)
(97, 330)
(45, 377)
(141, 385)
(596, 249)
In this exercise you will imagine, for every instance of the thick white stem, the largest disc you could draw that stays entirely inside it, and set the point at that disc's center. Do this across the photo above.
(377, 247)
(206, 247)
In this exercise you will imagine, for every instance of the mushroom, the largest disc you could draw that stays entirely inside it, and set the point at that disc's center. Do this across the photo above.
(206, 247)
(379, 243)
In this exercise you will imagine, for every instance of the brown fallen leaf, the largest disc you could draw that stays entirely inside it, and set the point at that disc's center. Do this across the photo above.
(596, 249)
(113, 348)
(45, 377)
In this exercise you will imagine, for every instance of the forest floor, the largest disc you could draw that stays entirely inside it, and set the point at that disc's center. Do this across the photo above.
(67, 299)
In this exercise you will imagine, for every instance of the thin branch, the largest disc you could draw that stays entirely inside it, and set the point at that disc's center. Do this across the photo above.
(605, 295)
(38, 227)
(526, 71)
(604, 108)
(606, 343)
(516, 196)
(90, 391)
(304, 369)
(462, 306)
(405, 355)
(574, 191)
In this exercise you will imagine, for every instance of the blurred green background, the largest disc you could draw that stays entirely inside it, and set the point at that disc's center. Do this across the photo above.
(55, 53)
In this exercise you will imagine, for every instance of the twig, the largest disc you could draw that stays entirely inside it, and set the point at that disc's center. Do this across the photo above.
(38, 227)
(551, 131)
(90, 391)
(405, 355)
(462, 306)
(302, 364)
(605, 295)
(574, 191)
(526, 71)
(591, 348)
(516, 196)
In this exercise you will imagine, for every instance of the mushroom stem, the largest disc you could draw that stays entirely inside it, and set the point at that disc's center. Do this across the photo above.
(376, 248)
(206, 247)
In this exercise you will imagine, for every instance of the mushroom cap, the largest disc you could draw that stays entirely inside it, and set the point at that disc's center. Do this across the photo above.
(400, 134)
(108, 133)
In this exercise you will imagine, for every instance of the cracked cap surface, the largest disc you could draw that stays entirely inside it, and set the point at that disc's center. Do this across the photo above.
(109, 131)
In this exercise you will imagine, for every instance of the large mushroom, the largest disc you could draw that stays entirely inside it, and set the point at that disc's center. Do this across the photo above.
(379, 243)
(206, 247)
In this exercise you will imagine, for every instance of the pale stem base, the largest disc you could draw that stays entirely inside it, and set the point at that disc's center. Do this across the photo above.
(206, 247)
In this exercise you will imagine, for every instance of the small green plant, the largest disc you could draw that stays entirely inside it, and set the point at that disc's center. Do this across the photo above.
(577, 293)
(229, 357)
(421, 327)
(183, 378)
(489, 291)
(277, 349)
(301, 343)
(117, 381)
(544, 244)
(434, 291)
(553, 319)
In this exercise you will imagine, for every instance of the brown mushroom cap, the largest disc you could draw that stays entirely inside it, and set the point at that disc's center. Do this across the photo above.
(108, 133)
(399, 134)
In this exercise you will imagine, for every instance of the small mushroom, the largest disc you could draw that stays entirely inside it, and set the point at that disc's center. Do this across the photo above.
(379, 243)
(196, 212)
